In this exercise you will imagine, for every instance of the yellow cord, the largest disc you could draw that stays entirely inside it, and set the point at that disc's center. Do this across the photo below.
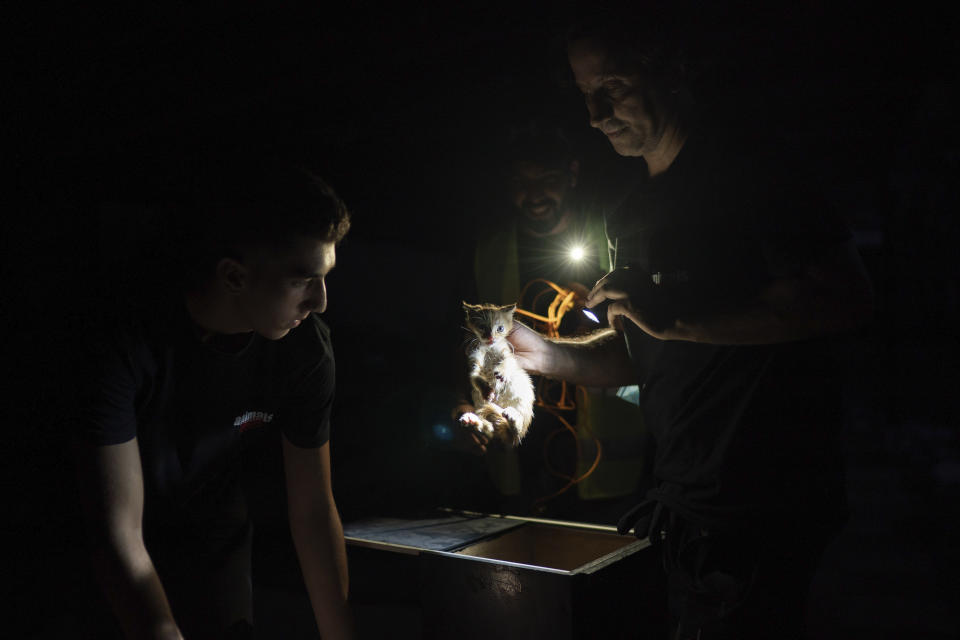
(549, 325)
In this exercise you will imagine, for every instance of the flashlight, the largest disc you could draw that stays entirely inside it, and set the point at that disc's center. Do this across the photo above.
(577, 253)
(597, 309)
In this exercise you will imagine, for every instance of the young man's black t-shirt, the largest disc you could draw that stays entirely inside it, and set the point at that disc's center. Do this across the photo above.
(745, 434)
(197, 408)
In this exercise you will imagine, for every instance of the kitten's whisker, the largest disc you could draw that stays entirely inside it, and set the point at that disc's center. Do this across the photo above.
(470, 343)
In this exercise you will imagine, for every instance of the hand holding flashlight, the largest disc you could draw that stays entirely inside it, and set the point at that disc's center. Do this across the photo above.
(628, 293)
(609, 295)
(597, 311)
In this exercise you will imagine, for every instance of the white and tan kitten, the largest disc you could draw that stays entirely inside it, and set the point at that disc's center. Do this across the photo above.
(502, 391)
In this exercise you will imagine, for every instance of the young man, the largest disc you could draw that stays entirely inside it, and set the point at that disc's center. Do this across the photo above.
(184, 378)
(727, 278)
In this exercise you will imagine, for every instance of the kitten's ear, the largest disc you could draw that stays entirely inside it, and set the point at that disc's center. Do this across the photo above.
(510, 308)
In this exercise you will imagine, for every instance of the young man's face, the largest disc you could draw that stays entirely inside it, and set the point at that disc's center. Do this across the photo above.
(618, 103)
(538, 192)
(282, 288)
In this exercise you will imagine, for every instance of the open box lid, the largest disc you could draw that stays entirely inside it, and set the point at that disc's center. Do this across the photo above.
(531, 543)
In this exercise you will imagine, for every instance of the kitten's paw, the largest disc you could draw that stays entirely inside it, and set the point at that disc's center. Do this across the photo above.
(513, 417)
(469, 419)
(513, 433)
(475, 422)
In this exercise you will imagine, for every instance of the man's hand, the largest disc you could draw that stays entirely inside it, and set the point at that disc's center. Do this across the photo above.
(612, 288)
(595, 360)
(832, 293)
(534, 353)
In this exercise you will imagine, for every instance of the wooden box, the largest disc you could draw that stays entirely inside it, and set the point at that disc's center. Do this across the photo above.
(507, 577)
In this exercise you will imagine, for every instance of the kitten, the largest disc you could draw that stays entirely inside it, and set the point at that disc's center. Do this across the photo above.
(502, 391)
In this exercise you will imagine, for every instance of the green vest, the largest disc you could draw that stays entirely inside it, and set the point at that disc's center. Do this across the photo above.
(611, 419)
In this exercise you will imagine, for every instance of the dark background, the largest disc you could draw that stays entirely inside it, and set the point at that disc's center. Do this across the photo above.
(401, 108)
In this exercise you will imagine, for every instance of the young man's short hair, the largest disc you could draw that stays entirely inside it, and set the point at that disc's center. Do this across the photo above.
(237, 208)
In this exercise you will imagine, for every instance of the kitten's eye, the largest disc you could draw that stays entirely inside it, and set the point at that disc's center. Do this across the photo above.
(500, 328)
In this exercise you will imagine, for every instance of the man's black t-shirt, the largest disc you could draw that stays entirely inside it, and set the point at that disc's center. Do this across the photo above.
(194, 407)
(744, 433)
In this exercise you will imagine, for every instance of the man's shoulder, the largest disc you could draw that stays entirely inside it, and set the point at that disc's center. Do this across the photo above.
(129, 326)
(304, 368)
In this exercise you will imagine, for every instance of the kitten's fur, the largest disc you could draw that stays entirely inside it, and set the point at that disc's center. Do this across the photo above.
(502, 391)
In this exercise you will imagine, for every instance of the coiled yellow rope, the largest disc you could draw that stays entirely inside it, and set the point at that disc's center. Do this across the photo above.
(564, 300)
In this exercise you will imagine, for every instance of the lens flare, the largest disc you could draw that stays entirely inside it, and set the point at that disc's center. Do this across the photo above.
(576, 253)
(442, 432)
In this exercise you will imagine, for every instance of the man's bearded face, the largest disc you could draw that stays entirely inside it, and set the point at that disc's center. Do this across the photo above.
(538, 193)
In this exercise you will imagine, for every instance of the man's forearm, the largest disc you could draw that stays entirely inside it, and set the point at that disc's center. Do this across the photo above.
(135, 592)
(833, 293)
(752, 324)
(318, 538)
(785, 311)
(597, 360)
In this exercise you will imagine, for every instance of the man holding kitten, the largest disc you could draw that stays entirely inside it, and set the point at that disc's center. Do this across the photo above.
(728, 281)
